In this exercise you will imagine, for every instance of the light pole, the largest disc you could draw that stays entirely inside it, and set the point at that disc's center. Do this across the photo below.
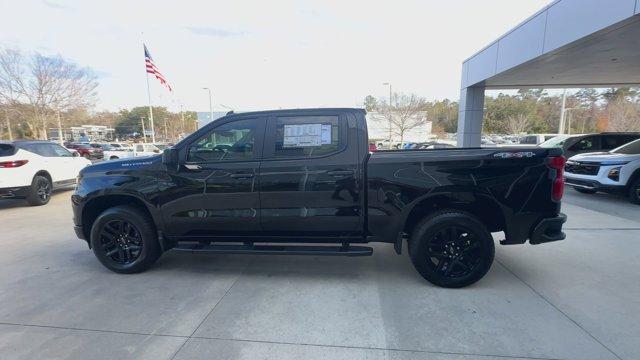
(210, 103)
(390, 92)
(567, 119)
(144, 136)
(562, 112)
(390, 106)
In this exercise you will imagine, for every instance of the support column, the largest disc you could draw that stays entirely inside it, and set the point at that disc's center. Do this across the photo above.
(471, 109)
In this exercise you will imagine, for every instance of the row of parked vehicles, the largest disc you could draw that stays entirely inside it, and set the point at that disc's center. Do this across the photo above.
(32, 169)
(114, 151)
(607, 162)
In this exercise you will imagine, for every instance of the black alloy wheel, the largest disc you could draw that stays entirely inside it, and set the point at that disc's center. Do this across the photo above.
(451, 249)
(40, 192)
(121, 242)
(125, 240)
(43, 189)
(454, 252)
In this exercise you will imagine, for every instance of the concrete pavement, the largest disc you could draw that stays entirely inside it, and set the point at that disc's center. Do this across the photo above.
(576, 299)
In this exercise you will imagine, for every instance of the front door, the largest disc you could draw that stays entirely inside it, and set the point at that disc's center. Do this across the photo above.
(308, 179)
(217, 186)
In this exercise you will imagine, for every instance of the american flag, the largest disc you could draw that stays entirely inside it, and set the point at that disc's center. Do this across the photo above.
(152, 69)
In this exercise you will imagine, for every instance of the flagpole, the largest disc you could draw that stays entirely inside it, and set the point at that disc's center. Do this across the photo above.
(153, 132)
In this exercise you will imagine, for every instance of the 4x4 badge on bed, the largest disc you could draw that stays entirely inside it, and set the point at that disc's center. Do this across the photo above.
(519, 154)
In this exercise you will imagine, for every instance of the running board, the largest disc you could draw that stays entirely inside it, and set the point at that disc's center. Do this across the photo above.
(278, 249)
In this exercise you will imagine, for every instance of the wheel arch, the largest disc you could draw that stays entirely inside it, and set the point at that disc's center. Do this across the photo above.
(634, 176)
(482, 206)
(97, 205)
(44, 173)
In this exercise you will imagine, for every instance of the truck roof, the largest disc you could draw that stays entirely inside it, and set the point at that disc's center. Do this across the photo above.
(285, 111)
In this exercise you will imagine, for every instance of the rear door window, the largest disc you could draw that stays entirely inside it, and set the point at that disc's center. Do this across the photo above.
(307, 136)
(58, 150)
(7, 150)
(610, 142)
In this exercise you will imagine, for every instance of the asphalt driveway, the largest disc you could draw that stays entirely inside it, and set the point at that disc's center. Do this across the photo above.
(576, 299)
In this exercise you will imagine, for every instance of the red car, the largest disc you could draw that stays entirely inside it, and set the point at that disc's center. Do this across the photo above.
(86, 150)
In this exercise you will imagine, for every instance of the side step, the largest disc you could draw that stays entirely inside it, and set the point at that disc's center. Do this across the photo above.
(278, 249)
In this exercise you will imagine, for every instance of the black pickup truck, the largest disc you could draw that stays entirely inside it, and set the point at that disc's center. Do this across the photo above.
(304, 182)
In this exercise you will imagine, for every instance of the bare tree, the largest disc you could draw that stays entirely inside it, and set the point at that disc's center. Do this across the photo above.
(624, 115)
(517, 124)
(407, 114)
(48, 84)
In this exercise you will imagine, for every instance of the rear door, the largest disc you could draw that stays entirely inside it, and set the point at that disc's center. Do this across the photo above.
(309, 176)
(69, 167)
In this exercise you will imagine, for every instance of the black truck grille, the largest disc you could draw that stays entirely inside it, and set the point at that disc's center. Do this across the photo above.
(582, 168)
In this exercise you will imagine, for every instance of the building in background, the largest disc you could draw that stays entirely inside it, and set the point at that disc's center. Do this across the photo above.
(567, 44)
(84, 133)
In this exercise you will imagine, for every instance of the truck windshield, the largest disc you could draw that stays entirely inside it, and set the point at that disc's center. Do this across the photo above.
(629, 149)
(555, 142)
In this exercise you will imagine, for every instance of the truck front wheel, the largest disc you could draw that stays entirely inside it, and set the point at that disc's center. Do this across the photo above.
(451, 249)
(124, 240)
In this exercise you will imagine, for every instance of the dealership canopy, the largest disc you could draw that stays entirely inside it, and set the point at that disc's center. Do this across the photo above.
(569, 43)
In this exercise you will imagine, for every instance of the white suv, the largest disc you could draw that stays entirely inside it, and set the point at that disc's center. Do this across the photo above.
(33, 169)
(616, 171)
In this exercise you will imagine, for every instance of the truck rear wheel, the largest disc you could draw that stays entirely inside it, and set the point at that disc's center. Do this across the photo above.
(451, 249)
(124, 240)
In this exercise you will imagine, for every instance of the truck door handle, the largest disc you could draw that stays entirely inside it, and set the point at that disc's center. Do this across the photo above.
(340, 172)
(193, 167)
(241, 176)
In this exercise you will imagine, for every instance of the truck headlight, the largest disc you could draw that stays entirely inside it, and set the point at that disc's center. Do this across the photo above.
(614, 174)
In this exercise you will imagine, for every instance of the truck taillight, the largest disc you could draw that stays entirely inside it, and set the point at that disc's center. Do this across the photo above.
(13, 164)
(557, 163)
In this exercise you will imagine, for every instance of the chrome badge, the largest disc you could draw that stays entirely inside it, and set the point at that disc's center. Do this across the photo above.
(516, 155)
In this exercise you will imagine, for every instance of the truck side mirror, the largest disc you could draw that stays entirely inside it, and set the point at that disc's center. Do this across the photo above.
(170, 157)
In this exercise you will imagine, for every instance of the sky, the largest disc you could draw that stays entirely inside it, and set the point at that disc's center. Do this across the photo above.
(263, 54)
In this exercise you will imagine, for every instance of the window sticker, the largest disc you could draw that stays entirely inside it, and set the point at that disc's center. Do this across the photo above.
(306, 135)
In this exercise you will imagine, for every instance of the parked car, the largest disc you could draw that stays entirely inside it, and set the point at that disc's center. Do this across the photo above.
(439, 146)
(535, 139)
(33, 169)
(578, 144)
(86, 150)
(119, 146)
(616, 171)
(136, 150)
(262, 179)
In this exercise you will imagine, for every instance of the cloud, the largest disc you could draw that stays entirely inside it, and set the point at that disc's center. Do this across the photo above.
(55, 5)
(208, 31)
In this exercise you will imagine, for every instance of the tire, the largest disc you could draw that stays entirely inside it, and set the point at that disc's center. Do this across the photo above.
(584, 191)
(126, 254)
(87, 156)
(40, 191)
(634, 192)
(451, 249)
(113, 158)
